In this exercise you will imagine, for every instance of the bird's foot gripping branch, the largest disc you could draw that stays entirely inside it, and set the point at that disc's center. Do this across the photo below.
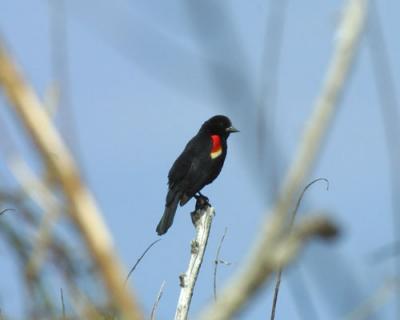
(202, 204)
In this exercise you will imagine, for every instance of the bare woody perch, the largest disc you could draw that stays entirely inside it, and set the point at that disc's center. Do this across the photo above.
(202, 218)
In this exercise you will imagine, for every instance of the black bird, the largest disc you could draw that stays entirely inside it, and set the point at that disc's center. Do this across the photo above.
(198, 165)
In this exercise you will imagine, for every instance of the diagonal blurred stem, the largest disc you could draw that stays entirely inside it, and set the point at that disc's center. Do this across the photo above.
(60, 68)
(253, 273)
(267, 149)
(377, 299)
(82, 207)
(390, 117)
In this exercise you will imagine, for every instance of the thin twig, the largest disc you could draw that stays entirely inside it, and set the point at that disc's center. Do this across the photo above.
(217, 261)
(253, 273)
(5, 210)
(302, 195)
(62, 304)
(140, 259)
(155, 306)
(82, 207)
(203, 220)
(279, 274)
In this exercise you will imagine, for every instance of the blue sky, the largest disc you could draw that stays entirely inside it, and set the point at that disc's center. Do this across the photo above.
(144, 75)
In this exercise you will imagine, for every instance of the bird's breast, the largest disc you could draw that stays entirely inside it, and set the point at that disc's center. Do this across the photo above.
(216, 148)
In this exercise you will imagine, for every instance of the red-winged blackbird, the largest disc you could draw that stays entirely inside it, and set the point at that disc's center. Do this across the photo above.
(198, 165)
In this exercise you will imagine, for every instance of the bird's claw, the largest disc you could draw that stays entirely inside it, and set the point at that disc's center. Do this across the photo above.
(201, 201)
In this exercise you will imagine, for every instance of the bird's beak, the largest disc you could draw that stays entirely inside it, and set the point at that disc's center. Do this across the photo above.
(232, 129)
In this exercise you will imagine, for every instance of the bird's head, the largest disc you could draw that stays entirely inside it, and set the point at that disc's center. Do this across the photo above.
(220, 125)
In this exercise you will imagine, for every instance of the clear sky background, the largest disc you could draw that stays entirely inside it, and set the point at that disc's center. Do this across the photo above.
(142, 76)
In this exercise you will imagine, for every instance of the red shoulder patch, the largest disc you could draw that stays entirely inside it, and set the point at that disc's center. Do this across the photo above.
(216, 143)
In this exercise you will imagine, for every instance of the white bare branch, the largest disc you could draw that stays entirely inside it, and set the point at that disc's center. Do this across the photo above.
(188, 279)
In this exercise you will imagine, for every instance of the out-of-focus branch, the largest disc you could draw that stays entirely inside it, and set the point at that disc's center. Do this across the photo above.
(37, 190)
(317, 226)
(375, 301)
(63, 257)
(39, 295)
(203, 220)
(284, 251)
(82, 207)
(253, 273)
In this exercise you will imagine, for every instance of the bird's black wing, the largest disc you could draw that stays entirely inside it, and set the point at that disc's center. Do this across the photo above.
(198, 147)
(180, 178)
(202, 171)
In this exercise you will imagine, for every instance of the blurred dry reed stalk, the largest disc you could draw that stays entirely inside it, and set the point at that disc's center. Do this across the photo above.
(76, 202)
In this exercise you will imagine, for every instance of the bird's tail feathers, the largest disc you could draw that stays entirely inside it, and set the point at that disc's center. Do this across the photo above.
(169, 213)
